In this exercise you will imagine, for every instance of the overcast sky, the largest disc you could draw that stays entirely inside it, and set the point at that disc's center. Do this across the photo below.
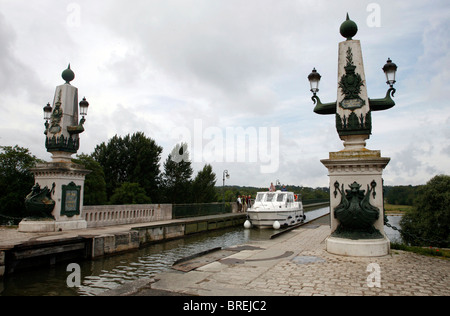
(210, 72)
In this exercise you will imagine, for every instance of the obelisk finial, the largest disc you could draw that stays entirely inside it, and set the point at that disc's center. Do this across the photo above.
(68, 75)
(348, 28)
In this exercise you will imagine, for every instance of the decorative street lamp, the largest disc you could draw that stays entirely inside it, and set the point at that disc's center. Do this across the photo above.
(390, 69)
(47, 112)
(84, 107)
(314, 79)
(47, 115)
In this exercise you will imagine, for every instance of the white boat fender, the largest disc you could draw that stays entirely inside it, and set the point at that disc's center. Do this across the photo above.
(248, 224)
(276, 225)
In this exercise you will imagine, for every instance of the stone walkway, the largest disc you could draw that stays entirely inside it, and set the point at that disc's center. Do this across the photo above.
(297, 264)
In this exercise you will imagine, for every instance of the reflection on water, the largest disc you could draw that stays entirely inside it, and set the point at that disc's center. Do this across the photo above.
(108, 273)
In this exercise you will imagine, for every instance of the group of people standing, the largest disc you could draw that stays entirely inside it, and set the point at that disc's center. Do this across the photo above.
(244, 203)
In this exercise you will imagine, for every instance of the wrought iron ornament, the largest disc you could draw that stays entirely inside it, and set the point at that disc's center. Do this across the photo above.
(355, 213)
(39, 202)
(350, 85)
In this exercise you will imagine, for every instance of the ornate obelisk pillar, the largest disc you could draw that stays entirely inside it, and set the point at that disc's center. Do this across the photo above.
(355, 172)
(56, 200)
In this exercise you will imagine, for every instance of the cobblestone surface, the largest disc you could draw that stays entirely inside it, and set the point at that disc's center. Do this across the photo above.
(311, 271)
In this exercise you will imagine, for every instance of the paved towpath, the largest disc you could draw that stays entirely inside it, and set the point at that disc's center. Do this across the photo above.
(10, 237)
(297, 264)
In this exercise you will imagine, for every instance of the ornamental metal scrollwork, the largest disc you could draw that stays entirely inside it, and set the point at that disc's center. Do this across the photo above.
(39, 202)
(350, 85)
(352, 125)
(355, 213)
(57, 114)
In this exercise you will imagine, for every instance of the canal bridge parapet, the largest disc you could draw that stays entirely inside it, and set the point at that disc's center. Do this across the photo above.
(112, 215)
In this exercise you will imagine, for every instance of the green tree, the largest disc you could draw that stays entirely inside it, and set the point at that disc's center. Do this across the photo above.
(94, 184)
(129, 193)
(400, 195)
(430, 217)
(176, 179)
(203, 186)
(15, 180)
(133, 159)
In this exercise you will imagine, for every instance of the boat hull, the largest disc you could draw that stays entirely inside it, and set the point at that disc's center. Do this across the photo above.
(267, 218)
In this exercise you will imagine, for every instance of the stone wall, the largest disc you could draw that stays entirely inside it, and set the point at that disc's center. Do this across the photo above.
(109, 244)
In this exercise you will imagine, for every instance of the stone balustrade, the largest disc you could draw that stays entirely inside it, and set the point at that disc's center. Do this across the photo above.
(110, 215)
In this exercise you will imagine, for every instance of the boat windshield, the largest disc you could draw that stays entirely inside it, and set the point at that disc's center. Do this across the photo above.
(270, 197)
(280, 197)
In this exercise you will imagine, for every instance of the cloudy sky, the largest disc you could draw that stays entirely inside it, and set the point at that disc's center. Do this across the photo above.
(215, 72)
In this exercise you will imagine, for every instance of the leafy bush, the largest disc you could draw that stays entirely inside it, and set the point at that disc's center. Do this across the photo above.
(428, 223)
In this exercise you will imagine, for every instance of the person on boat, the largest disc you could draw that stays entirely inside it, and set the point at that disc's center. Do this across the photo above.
(284, 188)
(272, 187)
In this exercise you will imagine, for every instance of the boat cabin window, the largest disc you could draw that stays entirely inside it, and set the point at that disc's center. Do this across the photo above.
(290, 198)
(270, 197)
(259, 197)
(280, 197)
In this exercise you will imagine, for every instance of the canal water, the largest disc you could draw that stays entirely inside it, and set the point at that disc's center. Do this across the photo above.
(392, 234)
(108, 273)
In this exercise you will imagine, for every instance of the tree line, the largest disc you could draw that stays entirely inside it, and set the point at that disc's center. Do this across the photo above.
(400, 195)
(126, 170)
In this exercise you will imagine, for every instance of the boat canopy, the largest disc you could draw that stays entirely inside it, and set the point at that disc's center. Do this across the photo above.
(279, 196)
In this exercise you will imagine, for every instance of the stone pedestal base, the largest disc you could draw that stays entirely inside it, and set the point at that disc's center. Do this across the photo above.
(50, 226)
(361, 167)
(67, 181)
(358, 248)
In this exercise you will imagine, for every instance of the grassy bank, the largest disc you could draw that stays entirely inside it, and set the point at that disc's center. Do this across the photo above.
(396, 209)
(427, 251)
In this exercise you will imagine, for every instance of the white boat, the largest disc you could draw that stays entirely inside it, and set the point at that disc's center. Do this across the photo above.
(275, 209)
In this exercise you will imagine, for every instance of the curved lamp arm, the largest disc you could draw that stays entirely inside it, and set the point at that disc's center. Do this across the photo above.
(324, 109)
(383, 104)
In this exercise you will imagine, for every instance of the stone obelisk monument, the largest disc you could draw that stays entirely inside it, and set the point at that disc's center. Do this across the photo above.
(56, 200)
(355, 172)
